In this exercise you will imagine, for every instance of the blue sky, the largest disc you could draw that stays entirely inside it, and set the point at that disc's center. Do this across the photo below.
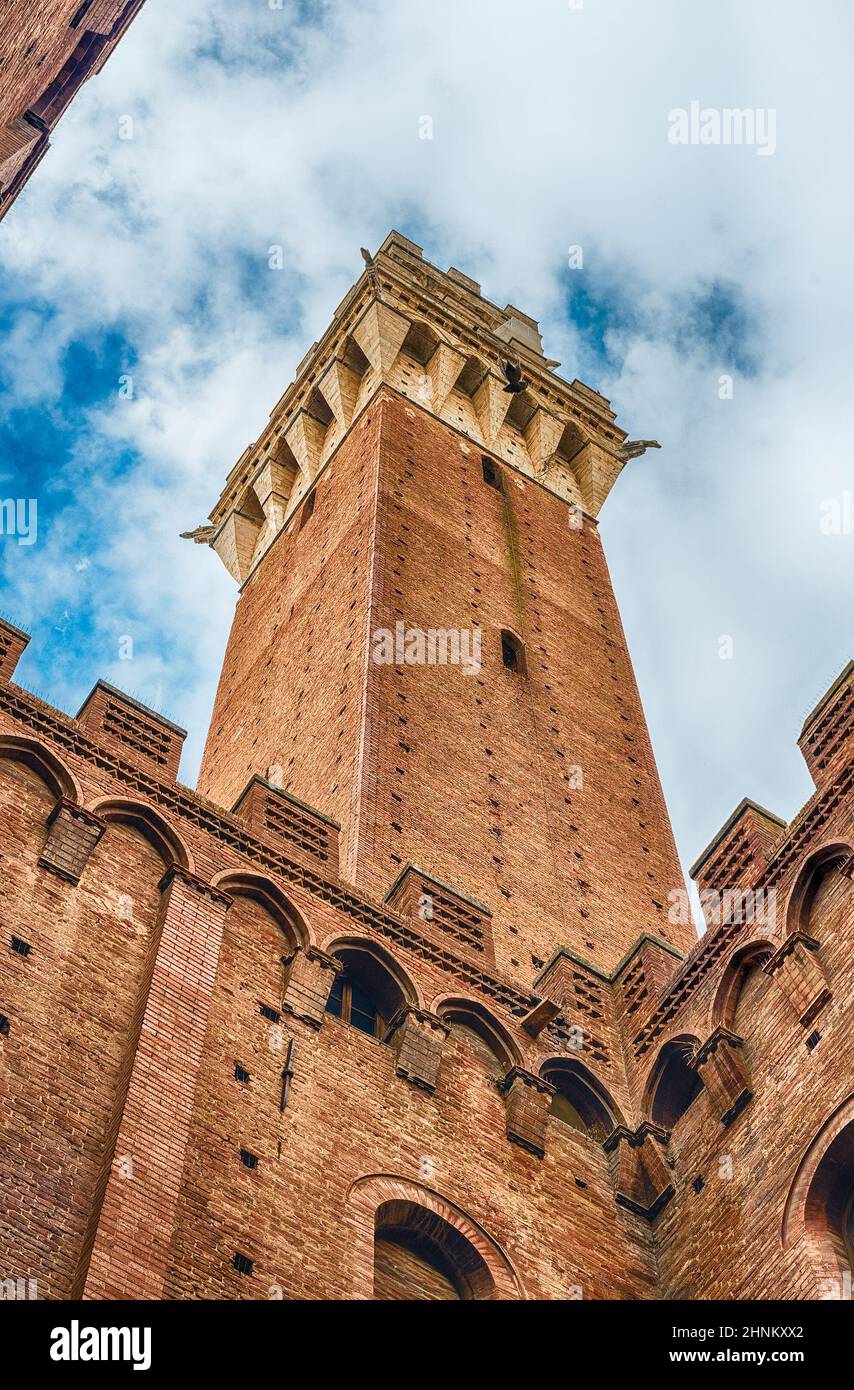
(254, 126)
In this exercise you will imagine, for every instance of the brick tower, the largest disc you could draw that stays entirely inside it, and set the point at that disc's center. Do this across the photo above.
(402, 1002)
(400, 490)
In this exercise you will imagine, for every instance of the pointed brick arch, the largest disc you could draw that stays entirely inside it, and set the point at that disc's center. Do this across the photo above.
(832, 854)
(489, 1268)
(813, 1206)
(471, 1013)
(742, 961)
(343, 946)
(240, 884)
(169, 844)
(44, 763)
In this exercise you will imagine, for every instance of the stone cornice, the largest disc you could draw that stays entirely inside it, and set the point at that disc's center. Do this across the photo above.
(432, 336)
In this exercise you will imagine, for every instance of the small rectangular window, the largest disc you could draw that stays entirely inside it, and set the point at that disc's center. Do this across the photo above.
(241, 1074)
(249, 1160)
(242, 1263)
(23, 948)
(491, 475)
(270, 1014)
(813, 1040)
(4, 1025)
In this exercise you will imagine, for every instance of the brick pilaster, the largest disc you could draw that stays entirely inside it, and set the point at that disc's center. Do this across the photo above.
(528, 1099)
(73, 834)
(137, 1215)
(309, 976)
(723, 1074)
(417, 1038)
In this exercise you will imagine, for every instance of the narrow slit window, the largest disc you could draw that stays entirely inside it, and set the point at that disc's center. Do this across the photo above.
(307, 510)
(21, 948)
(242, 1263)
(491, 475)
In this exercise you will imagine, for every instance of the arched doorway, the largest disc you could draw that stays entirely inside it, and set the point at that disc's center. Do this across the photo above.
(420, 1257)
(820, 1206)
(408, 1242)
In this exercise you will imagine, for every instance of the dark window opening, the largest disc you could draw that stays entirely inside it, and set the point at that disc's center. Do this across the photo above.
(677, 1084)
(698, 1184)
(242, 1263)
(4, 1025)
(241, 1074)
(355, 1006)
(576, 1102)
(813, 1040)
(249, 1160)
(270, 1014)
(491, 475)
(513, 653)
(365, 995)
(83, 10)
(21, 947)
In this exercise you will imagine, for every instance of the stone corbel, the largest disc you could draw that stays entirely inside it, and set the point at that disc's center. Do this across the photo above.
(304, 437)
(542, 436)
(443, 370)
(595, 471)
(235, 543)
(798, 971)
(380, 333)
(723, 1074)
(491, 403)
(309, 977)
(642, 1181)
(73, 834)
(272, 486)
(528, 1098)
(417, 1038)
(339, 387)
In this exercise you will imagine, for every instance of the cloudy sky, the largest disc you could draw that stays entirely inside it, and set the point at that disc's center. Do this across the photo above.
(258, 124)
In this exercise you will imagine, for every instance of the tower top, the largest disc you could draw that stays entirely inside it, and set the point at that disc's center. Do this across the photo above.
(431, 336)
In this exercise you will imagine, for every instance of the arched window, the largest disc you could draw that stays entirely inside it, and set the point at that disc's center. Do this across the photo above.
(674, 1083)
(579, 1101)
(513, 653)
(743, 989)
(474, 1026)
(421, 1257)
(829, 1217)
(366, 995)
(820, 885)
